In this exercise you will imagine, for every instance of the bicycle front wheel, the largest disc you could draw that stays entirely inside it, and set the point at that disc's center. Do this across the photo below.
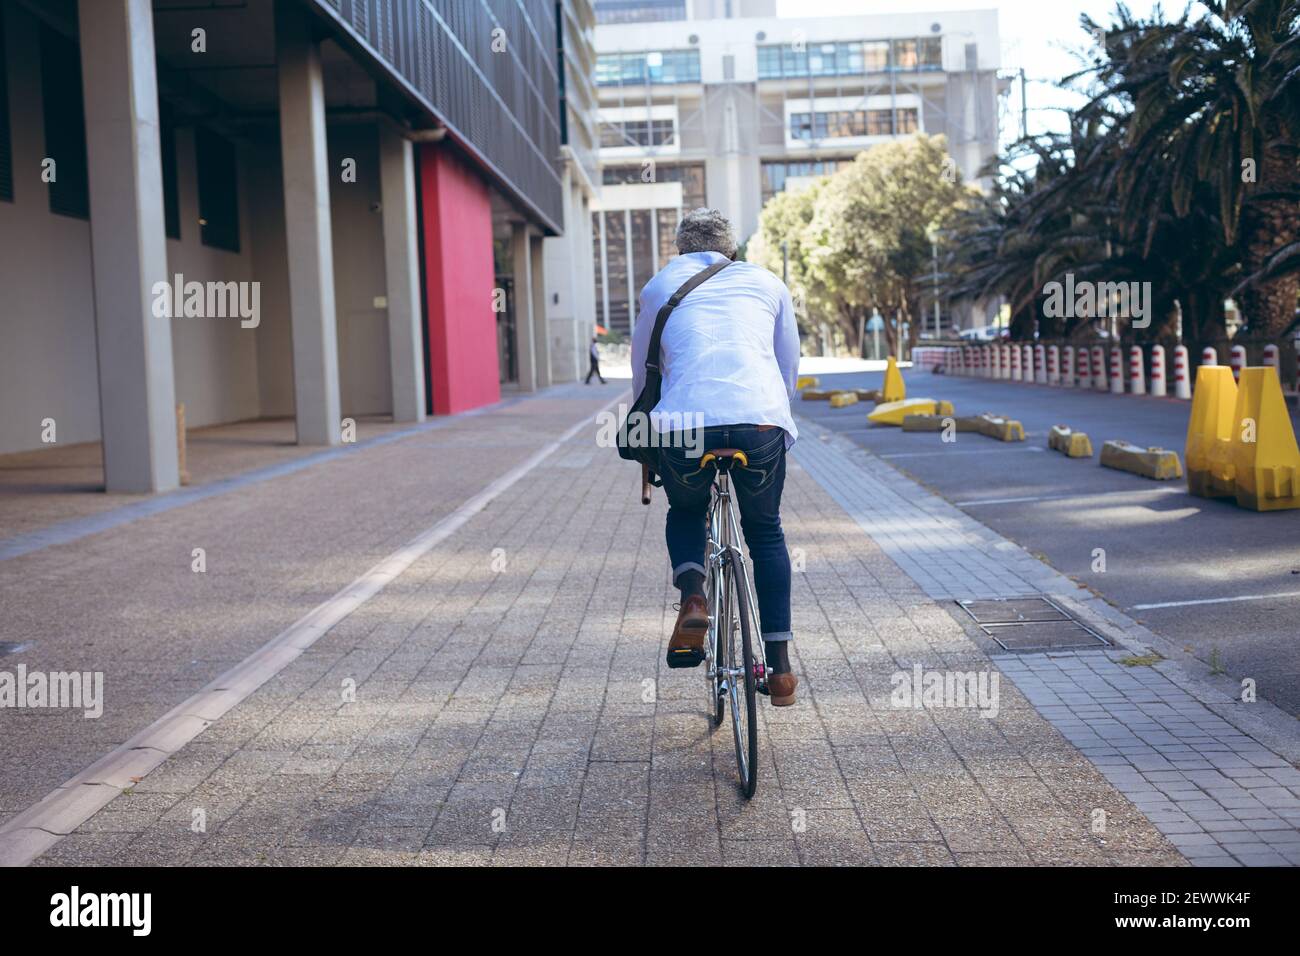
(742, 686)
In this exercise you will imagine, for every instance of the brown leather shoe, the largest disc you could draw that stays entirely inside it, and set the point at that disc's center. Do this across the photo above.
(780, 687)
(686, 647)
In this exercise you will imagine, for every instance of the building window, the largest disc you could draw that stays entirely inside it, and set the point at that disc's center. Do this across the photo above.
(171, 199)
(616, 272)
(639, 11)
(690, 175)
(667, 235)
(642, 266)
(596, 240)
(875, 56)
(65, 124)
(775, 173)
(6, 147)
(637, 133)
(931, 53)
(654, 66)
(842, 124)
(218, 190)
(849, 58)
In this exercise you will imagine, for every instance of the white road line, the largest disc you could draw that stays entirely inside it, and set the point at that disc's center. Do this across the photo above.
(29, 834)
(973, 502)
(1223, 600)
(963, 451)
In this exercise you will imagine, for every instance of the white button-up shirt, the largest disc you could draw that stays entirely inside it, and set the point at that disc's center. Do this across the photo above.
(730, 350)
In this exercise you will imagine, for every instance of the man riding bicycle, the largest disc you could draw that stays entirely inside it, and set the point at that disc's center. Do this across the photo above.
(729, 360)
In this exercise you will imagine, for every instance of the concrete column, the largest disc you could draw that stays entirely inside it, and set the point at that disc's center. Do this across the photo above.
(402, 268)
(137, 392)
(307, 228)
(541, 332)
(521, 255)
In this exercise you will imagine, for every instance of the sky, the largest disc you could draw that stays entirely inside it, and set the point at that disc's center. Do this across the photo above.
(1035, 34)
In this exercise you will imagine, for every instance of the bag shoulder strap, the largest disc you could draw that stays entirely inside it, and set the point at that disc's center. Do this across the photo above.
(661, 319)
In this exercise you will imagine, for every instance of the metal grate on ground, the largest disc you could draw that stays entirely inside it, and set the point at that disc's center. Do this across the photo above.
(1031, 624)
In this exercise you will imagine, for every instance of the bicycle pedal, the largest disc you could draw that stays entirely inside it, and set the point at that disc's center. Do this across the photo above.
(685, 657)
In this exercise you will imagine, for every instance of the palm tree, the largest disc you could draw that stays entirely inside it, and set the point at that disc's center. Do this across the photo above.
(1215, 105)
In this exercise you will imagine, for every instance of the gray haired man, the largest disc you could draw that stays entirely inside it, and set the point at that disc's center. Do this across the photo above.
(729, 359)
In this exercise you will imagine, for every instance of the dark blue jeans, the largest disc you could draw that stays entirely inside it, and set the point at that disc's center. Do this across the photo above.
(757, 490)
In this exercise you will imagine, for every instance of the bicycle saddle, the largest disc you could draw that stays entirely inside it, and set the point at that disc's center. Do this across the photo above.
(723, 458)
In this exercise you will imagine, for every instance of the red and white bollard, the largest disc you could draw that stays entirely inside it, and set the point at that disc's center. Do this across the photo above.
(1182, 379)
(986, 361)
(1237, 359)
(1029, 363)
(1016, 372)
(1209, 356)
(1040, 364)
(1083, 368)
(1067, 367)
(1137, 376)
(1116, 371)
(1053, 365)
(1099, 368)
(1270, 359)
(1158, 371)
(1006, 360)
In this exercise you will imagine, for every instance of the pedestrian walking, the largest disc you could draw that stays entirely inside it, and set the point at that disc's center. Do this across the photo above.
(595, 365)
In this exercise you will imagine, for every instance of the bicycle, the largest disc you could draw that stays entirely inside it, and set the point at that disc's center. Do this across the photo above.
(730, 671)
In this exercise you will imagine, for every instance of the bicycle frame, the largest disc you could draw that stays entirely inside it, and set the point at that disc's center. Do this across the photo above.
(724, 536)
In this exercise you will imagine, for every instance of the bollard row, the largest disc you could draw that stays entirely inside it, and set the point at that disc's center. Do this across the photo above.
(1089, 368)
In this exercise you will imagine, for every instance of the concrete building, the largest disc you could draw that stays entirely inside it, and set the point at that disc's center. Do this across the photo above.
(280, 208)
(570, 279)
(720, 102)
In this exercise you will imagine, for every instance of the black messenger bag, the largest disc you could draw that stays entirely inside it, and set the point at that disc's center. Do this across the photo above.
(641, 448)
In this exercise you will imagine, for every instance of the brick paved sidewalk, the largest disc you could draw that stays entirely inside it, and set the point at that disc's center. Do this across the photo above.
(511, 706)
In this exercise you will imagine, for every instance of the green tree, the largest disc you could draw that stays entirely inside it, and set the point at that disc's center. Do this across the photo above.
(868, 244)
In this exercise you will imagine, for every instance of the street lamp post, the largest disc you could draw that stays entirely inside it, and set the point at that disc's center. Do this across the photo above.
(934, 259)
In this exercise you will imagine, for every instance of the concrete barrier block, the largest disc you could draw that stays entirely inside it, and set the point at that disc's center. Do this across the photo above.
(1209, 467)
(1265, 457)
(842, 399)
(806, 381)
(816, 394)
(868, 394)
(1003, 429)
(936, 423)
(1162, 464)
(1070, 443)
(893, 413)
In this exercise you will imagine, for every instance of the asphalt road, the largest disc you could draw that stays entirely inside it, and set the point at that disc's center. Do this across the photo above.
(1162, 546)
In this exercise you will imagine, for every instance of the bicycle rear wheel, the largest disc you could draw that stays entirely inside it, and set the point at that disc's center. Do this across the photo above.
(742, 686)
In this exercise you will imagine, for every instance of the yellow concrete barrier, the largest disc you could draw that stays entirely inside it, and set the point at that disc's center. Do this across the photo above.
(841, 399)
(1003, 429)
(806, 381)
(1158, 463)
(894, 390)
(1072, 444)
(893, 413)
(816, 395)
(1209, 433)
(936, 423)
(1264, 453)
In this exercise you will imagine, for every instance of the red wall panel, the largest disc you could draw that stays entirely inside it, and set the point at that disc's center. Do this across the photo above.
(456, 221)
